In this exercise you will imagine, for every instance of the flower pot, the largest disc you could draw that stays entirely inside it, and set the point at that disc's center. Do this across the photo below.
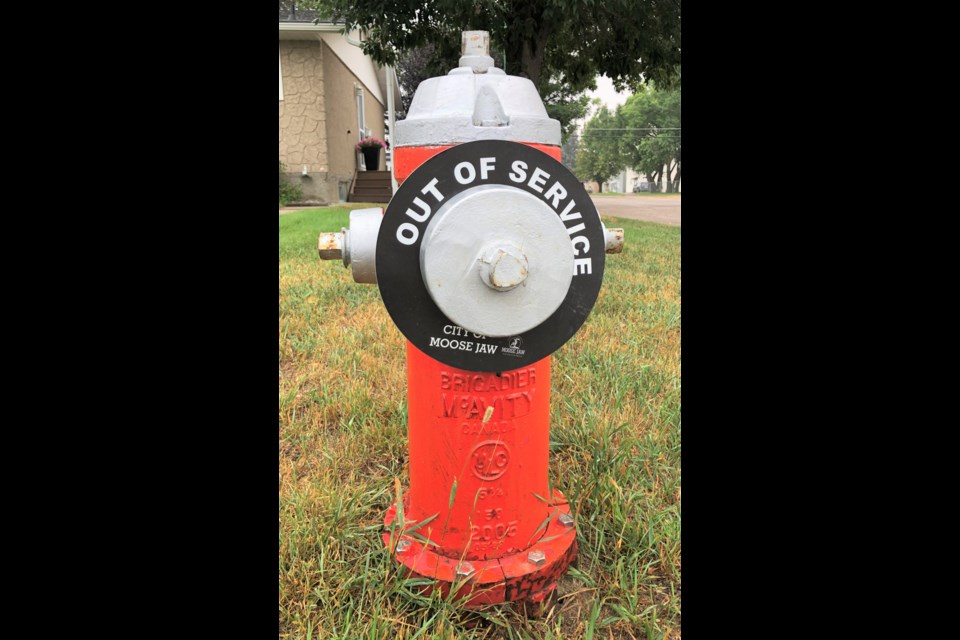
(371, 158)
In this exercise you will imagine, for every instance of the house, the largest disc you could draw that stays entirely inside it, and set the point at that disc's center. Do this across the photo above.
(331, 96)
(628, 181)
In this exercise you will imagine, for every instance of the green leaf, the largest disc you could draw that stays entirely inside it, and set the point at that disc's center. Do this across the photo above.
(542, 526)
(422, 538)
(453, 493)
(423, 522)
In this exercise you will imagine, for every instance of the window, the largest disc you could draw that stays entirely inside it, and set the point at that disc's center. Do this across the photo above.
(361, 130)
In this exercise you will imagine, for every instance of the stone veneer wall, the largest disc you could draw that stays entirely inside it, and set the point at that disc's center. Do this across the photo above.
(303, 133)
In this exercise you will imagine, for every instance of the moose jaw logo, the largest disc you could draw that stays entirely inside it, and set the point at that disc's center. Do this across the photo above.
(514, 349)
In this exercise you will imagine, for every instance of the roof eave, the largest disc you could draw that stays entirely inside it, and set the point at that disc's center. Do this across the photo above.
(308, 26)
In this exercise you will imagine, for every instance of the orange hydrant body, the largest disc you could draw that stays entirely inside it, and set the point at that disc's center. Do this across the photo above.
(491, 531)
(479, 456)
(488, 434)
(452, 438)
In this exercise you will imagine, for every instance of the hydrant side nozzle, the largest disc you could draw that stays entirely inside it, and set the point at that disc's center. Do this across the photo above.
(356, 246)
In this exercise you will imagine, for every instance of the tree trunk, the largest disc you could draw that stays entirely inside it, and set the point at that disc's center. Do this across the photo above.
(525, 51)
(531, 59)
(599, 185)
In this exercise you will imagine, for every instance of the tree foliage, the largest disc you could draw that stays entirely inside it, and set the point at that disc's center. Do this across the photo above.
(643, 133)
(651, 140)
(568, 153)
(413, 67)
(599, 156)
(561, 45)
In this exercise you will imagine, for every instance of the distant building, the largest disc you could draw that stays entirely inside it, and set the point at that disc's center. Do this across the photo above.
(331, 96)
(629, 181)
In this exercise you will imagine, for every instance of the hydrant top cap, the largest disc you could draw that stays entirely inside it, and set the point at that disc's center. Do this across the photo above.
(476, 101)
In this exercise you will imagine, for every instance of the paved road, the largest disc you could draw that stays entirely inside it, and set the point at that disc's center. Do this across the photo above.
(664, 209)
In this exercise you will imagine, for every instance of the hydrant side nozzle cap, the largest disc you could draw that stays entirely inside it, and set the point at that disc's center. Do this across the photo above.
(613, 239)
(330, 245)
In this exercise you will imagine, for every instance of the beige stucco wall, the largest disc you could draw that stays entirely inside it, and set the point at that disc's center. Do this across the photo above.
(342, 115)
(318, 119)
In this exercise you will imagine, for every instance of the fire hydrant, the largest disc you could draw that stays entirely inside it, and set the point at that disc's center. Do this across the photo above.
(489, 257)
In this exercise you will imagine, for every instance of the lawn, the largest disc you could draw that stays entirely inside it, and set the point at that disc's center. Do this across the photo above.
(615, 453)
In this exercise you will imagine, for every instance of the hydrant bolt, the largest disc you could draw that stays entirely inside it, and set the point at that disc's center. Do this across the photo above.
(566, 519)
(465, 570)
(503, 269)
(537, 557)
(403, 545)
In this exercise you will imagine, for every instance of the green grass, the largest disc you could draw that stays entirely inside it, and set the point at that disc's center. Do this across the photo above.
(615, 453)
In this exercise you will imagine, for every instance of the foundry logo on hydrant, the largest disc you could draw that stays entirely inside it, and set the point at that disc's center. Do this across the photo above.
(514, 349)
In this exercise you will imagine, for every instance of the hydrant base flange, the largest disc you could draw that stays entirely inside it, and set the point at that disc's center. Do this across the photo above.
(529, 575)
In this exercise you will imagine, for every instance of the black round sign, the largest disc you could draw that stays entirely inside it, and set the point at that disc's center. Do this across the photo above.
(424, 192)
